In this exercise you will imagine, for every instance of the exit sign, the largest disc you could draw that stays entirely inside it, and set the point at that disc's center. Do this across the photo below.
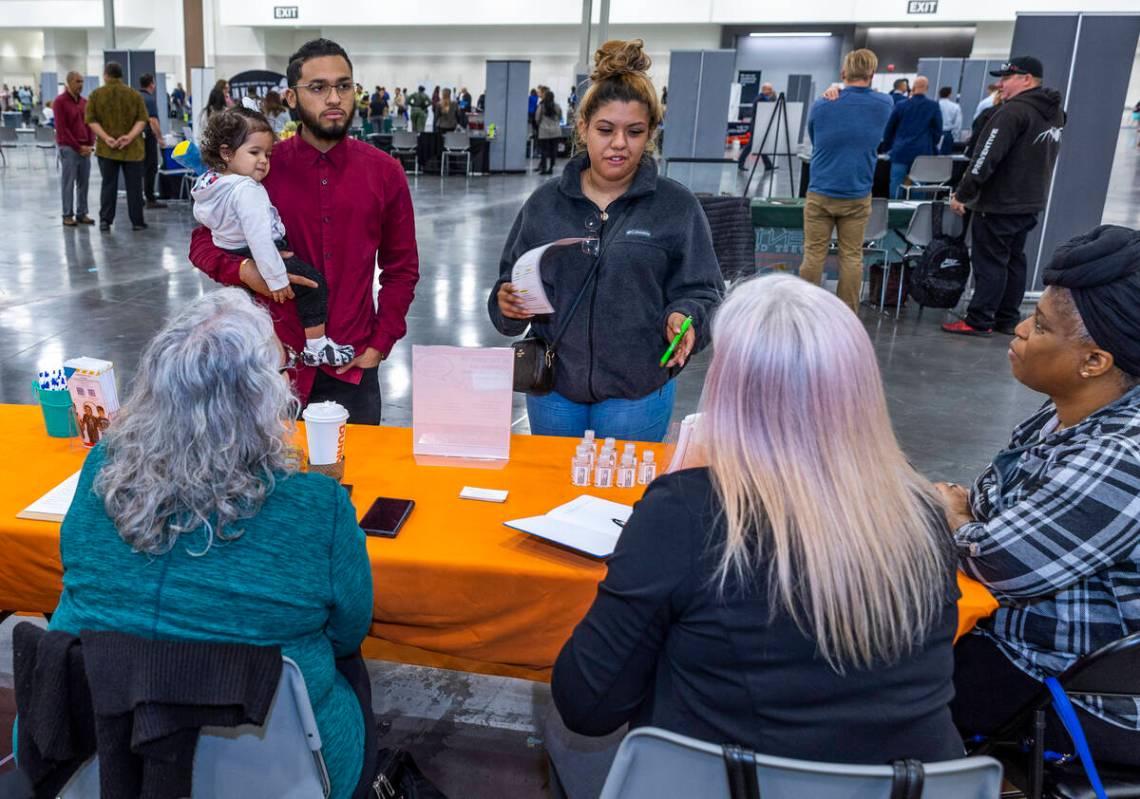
(922, 7)
(291, 12)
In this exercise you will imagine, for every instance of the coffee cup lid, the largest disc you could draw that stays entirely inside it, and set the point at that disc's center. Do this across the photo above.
(327, 411)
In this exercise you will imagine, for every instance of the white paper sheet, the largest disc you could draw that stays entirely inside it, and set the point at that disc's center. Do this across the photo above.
(53, 505)
(586, 524)
(461, 402)
(526, 276)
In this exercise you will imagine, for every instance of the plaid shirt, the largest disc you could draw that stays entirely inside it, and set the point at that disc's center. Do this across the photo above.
(1057, 541)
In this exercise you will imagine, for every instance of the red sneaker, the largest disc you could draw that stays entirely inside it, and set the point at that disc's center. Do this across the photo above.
(961, 328)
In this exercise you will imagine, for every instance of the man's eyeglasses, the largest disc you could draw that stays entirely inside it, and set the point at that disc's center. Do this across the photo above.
(321, 89)
(291, 359)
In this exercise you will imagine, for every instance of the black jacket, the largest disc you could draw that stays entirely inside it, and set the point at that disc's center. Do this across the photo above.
(661, 261)
(660, 647)
(137, 703)
(977, 127)
(1014, 156)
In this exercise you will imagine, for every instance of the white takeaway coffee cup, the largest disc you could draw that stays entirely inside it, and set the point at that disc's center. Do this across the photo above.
(324, 430)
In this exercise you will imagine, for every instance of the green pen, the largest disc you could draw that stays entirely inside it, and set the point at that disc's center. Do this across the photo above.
(677, 339)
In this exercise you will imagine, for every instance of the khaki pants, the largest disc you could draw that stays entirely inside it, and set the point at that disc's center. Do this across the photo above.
(847, 217)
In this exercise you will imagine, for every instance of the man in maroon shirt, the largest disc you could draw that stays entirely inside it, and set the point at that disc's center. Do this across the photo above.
(346, 208)
(76, 142)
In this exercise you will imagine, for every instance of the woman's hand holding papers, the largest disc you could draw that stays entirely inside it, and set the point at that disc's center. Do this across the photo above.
(510, 304)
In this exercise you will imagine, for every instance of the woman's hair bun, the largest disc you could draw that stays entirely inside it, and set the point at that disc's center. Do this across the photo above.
(618, 57)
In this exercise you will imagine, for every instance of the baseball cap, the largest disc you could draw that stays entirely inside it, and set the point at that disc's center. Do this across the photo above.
(1022, 65)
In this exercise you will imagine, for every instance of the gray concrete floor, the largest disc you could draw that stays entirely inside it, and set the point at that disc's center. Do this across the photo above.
(67, 292)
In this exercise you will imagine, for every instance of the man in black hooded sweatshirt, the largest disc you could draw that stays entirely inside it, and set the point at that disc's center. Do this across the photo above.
(1005, 186)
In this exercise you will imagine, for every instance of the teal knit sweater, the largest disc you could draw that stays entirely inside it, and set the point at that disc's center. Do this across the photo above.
(298, 577)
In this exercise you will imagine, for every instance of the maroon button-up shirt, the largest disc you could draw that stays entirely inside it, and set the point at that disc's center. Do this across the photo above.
(344, 211)
(70, 129)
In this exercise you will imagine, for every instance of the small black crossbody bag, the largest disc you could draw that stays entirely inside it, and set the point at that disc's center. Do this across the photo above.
(534, 355)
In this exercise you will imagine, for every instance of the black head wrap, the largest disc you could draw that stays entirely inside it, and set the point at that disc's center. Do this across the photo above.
(1102, 270)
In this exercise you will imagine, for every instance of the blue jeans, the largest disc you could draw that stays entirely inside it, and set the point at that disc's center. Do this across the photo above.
(947, 147)
(898, 172)
(645, 419)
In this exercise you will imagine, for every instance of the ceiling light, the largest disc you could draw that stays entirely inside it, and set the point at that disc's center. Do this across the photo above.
(782, 34)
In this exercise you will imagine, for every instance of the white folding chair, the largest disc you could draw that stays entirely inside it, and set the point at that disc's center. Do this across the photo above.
(456, 144)
(918, 235)
(875, 232)
(9, 140)
(281, 758)
(186, 180)
(653, 763)
(45, 143)
(930, 173)
(405, 143)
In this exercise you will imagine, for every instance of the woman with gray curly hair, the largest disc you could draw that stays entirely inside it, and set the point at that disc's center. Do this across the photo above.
(191, 521)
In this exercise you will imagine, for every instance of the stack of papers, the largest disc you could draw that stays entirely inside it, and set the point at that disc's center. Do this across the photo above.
(526, 277)
(586, 524)
(53, 505)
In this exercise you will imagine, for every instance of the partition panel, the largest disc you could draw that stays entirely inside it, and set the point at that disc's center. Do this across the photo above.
(1094, 84)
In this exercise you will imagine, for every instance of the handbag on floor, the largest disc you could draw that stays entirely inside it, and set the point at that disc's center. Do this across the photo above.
(398, 777)
(534, 355)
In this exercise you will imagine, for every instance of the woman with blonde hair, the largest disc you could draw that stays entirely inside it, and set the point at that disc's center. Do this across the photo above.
(797, 594)
(447, 114)
(646, 266)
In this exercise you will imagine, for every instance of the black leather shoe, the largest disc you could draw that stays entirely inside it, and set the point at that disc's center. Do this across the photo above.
(143, 226)
(1006, 330)
(104, 227)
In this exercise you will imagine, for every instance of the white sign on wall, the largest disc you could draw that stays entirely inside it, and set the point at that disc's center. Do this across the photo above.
(286, 12)
(922, 7)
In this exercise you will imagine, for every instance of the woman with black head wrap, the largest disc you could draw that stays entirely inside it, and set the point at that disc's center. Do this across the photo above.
(1052, 527)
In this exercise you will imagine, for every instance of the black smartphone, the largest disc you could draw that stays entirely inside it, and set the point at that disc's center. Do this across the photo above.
(387, 516)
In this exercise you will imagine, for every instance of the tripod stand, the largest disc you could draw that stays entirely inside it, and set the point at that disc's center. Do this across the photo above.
(779, 116)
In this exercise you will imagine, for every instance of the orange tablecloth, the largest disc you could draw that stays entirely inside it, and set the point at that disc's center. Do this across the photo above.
(456, 589)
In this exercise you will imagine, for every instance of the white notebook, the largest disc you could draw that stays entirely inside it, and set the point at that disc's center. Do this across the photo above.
(586, 524)
(53, 505)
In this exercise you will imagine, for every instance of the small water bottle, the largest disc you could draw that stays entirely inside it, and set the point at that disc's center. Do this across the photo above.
(626, 474)
(604, 472)
(592, 446)
(648, 471)
(580, 466)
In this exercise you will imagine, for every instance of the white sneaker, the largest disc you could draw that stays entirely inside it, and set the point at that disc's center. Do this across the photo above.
(334, 354)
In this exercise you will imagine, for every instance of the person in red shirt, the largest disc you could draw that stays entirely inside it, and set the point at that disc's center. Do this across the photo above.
(76, 143)
(347, 208)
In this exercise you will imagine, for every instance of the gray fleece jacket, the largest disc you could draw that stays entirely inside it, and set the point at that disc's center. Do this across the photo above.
(660, 261)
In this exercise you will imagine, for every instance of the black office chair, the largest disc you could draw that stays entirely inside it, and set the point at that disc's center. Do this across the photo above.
(1111, 671)
(734, 238)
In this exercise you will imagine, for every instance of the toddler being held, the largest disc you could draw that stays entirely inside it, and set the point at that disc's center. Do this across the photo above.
(230, 200)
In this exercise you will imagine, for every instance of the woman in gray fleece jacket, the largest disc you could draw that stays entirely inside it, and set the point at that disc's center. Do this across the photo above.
(657, 267)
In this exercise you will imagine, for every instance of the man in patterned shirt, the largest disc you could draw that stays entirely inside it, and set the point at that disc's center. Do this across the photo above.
(1052, 527)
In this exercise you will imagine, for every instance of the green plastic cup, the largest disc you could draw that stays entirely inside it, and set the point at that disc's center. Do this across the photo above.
(59, 416)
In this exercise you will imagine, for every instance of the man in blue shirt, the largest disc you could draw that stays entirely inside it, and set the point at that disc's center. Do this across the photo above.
(152, 136)
(845, 134)
(915, 129)
(900, 90)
